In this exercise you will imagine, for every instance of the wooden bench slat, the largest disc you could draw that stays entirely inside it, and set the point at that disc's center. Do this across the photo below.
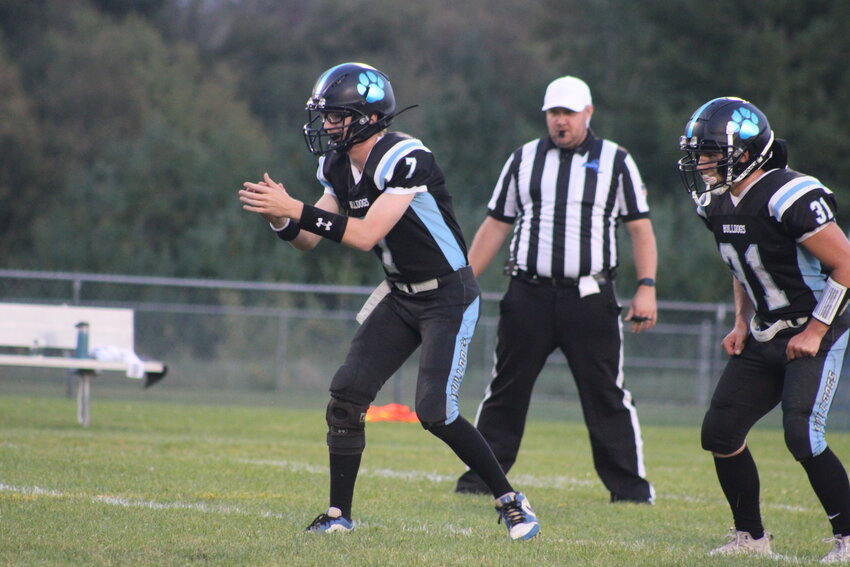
(53, 326)
(74, 363)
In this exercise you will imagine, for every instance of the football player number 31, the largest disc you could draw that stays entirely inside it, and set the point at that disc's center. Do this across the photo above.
(822, 211)
(773, 296)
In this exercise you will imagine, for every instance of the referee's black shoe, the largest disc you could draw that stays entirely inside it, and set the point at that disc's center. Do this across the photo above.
(617, 498)
(471, 483)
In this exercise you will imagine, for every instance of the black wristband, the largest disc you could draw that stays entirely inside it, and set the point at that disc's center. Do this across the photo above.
(289, 231)
(649, 282)
(323, 223)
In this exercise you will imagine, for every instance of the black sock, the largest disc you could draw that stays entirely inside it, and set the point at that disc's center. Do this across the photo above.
(473, 450)
(739, 479)
(829, 481)
(343, 474)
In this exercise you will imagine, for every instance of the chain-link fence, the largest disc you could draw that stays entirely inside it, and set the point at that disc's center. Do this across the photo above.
(233, 336)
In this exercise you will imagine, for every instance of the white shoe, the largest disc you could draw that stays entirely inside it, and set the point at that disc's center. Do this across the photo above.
(840, 552)
(742, 543)
(518, 515)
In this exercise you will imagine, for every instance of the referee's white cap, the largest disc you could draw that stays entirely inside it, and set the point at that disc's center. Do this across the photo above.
(567, 92)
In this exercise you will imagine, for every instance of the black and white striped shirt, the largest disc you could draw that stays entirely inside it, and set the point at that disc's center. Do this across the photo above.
(568, 204)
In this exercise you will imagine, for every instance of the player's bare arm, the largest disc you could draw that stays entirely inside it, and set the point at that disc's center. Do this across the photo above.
(733, 343)
(383, 215)
(487, 242)
(830, 246)
(643, 310)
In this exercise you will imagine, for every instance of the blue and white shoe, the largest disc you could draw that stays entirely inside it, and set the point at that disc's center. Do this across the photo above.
(331, 521)
(519, 518)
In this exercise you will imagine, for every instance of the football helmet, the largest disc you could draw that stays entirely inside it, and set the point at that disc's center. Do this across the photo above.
(350, 90)
(738, 137)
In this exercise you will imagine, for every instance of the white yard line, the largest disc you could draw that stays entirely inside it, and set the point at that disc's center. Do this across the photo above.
(203, 508)
(130, 503)
(525, 480)
(522, 480)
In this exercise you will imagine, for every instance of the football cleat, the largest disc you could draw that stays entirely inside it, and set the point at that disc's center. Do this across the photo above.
(840, 552)
(519, 518)
(331, 521)
(742, 543)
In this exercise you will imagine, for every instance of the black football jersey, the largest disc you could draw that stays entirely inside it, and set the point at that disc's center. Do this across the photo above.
(760, 237)
(427, 241)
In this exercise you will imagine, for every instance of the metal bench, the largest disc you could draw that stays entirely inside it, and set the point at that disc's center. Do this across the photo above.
(61, 336)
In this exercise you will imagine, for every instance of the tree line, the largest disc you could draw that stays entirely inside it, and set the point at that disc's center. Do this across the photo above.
(129, 125)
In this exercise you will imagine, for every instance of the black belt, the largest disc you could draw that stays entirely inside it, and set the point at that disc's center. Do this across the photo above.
(428, 285)
(601, 278)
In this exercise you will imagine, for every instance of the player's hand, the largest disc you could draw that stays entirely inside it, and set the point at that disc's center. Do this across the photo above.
(733, 343)
(643, 310)
(269, 199)
(806, 343)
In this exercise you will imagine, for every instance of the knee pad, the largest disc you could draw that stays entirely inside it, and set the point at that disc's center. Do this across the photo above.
(346, 427)
(717, 438)
(800, 444)
(434, 427)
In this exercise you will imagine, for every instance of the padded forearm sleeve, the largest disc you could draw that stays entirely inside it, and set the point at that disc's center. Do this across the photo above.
(323, 223)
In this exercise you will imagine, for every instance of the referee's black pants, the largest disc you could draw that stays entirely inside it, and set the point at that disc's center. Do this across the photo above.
(535, 319)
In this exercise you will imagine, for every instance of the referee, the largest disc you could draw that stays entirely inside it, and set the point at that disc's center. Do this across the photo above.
(564, 196)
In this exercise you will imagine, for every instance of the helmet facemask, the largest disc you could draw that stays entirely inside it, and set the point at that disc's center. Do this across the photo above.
(712, 176)
(327, 128)
(731, 164)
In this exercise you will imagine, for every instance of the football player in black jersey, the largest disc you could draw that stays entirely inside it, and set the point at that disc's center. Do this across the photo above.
(775, 228)
(383, 191)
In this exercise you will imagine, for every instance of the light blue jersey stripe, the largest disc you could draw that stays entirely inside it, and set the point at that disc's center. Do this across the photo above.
(425, 207)
(460, 358)
(320, 175)
(826, 393)
(810, 269)
(390, 162)
(792, 192)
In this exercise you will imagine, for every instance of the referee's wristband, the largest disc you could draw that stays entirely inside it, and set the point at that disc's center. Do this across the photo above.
(323, 223)
(649, 282)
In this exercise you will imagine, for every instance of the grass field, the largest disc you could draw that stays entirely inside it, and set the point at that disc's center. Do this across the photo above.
(165, 483)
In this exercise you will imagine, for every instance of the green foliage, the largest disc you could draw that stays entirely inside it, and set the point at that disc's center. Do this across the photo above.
(145, 124)
(22, 161)
(153, 112)
(162, 483)
(772, 53)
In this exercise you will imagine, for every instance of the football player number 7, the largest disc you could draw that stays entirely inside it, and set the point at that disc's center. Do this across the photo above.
(411, 162)
(773, 296)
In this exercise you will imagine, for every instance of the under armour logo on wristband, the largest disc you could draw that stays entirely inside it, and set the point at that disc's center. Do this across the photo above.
(324, 223)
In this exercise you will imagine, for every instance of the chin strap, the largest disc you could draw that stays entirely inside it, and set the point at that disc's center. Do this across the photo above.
(372, 129)
(392, 116)
(701, 199)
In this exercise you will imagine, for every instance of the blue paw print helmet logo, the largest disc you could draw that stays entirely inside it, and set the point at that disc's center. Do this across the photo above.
(743, 122)
(371, 86)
